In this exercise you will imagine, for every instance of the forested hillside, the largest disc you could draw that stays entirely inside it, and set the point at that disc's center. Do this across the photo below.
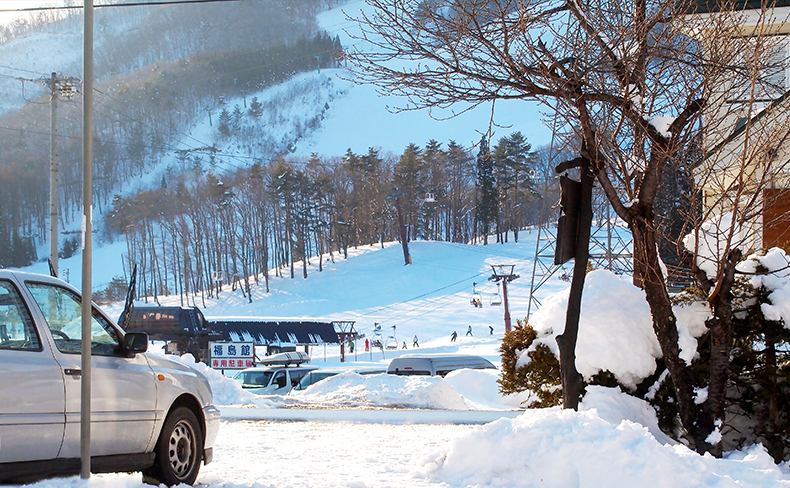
(200, 230)
(191, 170)
(158, 69)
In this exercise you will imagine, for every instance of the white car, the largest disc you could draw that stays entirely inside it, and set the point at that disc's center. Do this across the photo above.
(149, 413)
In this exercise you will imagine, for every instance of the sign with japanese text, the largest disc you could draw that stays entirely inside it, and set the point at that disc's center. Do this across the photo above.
(232, 355)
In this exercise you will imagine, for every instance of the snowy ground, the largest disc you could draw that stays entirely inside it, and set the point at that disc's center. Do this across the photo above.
(377, 431)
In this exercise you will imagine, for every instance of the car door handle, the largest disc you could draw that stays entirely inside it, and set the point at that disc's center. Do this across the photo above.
(72, 372)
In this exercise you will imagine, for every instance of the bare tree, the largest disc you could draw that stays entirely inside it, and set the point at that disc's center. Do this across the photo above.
(631, 79)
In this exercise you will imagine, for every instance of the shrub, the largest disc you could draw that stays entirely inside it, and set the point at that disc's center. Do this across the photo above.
(541, 375)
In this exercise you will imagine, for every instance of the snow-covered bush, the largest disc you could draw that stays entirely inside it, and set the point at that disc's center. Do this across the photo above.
(539, 372)
(759, 389)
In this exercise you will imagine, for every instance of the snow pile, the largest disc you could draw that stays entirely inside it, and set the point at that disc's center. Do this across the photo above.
(226, 391)
(614, 406)
(480, 389)
(562, 448)
(351, 389)
(615, 329)
(774, 275)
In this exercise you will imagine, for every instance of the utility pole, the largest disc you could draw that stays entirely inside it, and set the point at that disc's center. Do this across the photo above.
(65, 87)
(87, 240)
(504, 275)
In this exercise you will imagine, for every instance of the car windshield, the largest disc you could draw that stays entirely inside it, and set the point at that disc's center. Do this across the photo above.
(254, 379)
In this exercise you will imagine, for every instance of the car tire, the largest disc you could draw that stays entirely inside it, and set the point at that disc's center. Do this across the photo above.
(178, 451)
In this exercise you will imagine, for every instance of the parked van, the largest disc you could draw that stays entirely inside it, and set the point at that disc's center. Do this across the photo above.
(435, 364)
(272, 381)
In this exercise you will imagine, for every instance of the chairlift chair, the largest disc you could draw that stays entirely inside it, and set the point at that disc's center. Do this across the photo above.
(496, 298)
(392, 341)
(476, 299)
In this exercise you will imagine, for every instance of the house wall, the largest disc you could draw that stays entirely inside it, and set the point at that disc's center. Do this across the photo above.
(776, 218)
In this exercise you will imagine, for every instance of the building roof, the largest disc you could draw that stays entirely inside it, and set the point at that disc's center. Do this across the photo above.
(785, 98)
(708, 6)
(275, 331)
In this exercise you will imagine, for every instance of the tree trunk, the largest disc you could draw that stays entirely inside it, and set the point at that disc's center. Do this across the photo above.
(721, 340)
(664, 321)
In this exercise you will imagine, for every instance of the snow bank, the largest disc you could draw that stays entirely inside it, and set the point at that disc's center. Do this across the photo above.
(351, 389)
(562, 448)
(480, 389)
(465, 389)
(613, 405)
(226, 391)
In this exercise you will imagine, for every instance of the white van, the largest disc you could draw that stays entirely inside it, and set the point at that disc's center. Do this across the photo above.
(272, 381)
(435, 364)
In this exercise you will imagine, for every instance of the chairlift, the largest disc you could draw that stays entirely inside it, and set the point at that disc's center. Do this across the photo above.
(430, 198)
(476, 299)
(392, 342)
(496, 298)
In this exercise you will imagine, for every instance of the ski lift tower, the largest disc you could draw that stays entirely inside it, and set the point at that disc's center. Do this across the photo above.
(345, 333)
(503, 273)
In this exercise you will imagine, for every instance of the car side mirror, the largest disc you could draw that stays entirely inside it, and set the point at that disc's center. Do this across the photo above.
(135, 342)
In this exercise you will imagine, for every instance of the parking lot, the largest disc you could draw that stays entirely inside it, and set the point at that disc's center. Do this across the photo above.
(318, 454)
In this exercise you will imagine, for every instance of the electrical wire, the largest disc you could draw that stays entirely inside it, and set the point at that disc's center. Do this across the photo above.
(154, 3)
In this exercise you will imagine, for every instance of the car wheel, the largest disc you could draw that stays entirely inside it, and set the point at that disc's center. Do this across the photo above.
(178, 451)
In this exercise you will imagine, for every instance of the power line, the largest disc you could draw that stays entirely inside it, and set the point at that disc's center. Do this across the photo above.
(125, 4)
(22, 70)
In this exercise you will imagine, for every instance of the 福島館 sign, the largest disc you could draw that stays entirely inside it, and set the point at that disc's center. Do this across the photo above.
(232, 355)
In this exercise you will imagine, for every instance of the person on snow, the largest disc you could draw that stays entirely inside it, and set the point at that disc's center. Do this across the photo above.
(454, 336)
(416, 343)
(491, 329)
(404, 345)
(469, 331)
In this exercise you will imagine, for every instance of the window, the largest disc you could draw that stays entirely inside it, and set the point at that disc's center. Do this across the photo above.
(254, 379)
(279, 379)
(760, 71)
(63, 311)
(17, 330)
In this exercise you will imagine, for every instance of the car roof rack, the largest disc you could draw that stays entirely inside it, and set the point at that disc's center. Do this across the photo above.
(293, 358)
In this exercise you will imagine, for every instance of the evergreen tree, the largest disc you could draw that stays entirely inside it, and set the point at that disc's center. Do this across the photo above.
(256, 109)
(408, 182)
(224, 124)
(515, 167)
(486, 210)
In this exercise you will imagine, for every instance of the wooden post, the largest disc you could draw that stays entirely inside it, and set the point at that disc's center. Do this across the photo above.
(571, 379)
